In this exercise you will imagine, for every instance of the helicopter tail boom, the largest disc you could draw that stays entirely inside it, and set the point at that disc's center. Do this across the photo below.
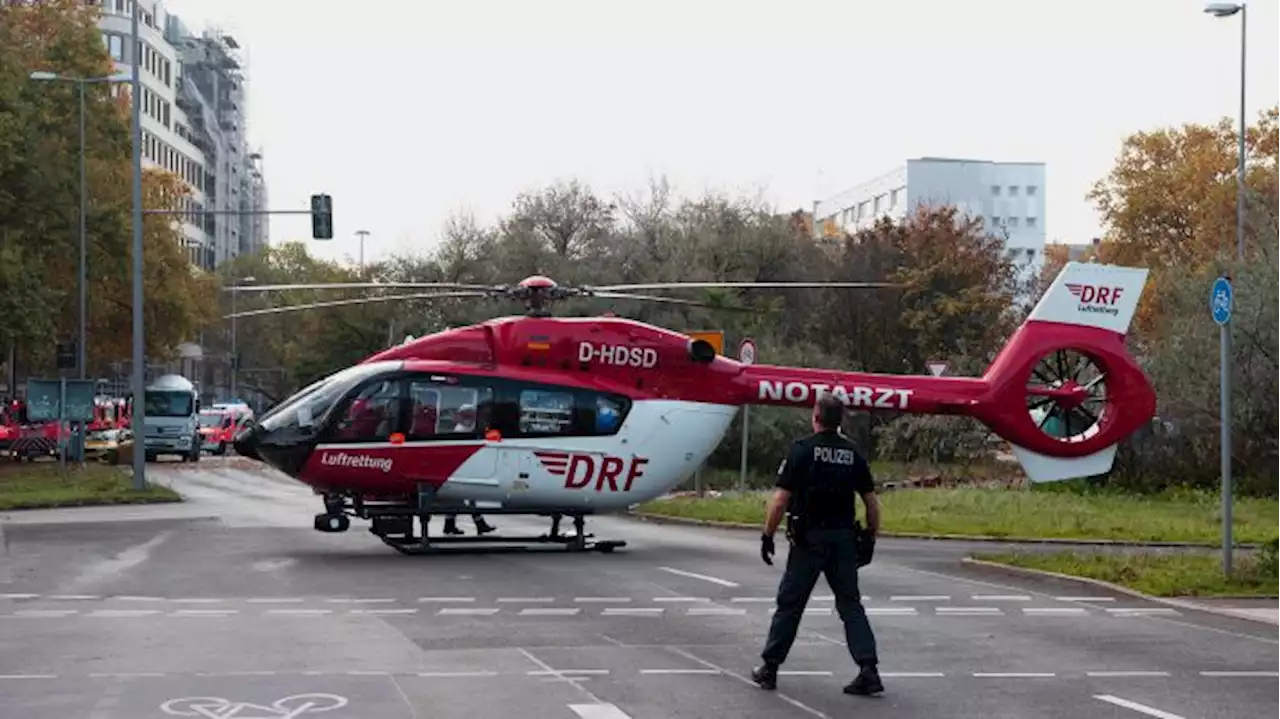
(1064, 391)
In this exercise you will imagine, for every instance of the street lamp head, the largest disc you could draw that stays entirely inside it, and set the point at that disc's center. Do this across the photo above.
(44, 76)
(1223, 9)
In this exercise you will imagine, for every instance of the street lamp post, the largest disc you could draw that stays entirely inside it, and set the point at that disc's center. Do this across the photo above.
(235, 359)
(1221, 10)
(362, 234)
(138, 418)
(83, 272)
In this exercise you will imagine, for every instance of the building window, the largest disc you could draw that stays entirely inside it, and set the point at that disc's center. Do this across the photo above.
(995, 220)
(1013, 190)
(1013, 222)
(1031, 254)
(877, 203)
(1031, 222)
(1031, 190)
(995, 190)
(117, 48)
(893, 198)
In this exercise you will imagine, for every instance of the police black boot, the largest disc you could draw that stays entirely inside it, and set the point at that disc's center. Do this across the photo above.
(483, 527)
(765, 676)
(451, 526)
(866, 683)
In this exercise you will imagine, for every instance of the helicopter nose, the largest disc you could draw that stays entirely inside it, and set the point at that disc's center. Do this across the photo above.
(246, 444)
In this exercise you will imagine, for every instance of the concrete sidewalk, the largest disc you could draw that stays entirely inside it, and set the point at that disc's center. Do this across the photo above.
(1262, 610)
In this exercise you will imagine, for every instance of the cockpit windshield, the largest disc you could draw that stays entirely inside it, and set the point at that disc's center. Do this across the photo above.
(309, 407)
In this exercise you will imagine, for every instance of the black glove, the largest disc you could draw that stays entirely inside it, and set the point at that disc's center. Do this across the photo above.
(766, 549)
(866, 547)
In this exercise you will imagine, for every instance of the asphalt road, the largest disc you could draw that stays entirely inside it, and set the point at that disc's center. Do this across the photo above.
(230, 606)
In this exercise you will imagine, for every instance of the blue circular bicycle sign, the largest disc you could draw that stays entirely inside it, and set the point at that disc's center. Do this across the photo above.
(1221, 300)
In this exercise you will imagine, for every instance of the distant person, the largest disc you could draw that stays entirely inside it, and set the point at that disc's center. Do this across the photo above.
(464, 421)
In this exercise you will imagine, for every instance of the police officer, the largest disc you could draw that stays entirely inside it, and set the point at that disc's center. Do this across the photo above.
(817, 484)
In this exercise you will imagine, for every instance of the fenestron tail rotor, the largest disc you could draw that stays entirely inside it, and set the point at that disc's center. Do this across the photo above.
(1067, 395)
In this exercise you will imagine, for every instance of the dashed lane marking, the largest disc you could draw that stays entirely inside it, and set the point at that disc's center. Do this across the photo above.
(602, 600)
(1142, 610)
(1001, 597)
(550, 611)
(205, 612)
(74, 597)
(37, 613)
(708, 670)
(123, 612)
(1054, 611)
(455, 600)
(920, 598)
(275, 600)
(468, 611)
(380, 612)
(1085, 599)
(892, 611)
(526, 600)
(682, 599)
(715, 611)
(632, 611)
(299, 612)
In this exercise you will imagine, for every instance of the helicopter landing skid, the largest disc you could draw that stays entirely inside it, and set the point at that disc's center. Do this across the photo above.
(406, 542)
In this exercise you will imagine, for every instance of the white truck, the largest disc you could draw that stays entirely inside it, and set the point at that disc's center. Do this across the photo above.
(172, 418)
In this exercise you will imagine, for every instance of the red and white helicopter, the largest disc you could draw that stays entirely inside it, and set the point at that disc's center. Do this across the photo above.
(570, 416)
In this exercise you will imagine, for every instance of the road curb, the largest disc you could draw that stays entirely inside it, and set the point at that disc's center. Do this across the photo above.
(1180, 604)
(686, 521)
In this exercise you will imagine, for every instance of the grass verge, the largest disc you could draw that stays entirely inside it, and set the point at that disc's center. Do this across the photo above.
(42, 485)
(1180, 574)
(1173, 517)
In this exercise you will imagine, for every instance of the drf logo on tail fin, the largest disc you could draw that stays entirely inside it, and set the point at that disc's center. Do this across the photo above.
(1096, 298)
(580, 470)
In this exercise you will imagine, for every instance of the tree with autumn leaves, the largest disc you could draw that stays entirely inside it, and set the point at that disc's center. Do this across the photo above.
(1169, 204)
(39, 203)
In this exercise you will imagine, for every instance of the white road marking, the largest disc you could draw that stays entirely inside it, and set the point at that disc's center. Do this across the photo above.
(631, 611)
(1002, 597)
(1013, 675)
(444, 599)
(703, 577)
(1050, 611)
(18, 596)
(455, 675)
(754, 600)
(123, 612)
(1141, 708)
(825, 598)
(196, 600)
(892, 611)
(679, 671)
(948, 608)
(1142, 610)
(28, 676)
(715, 611)
(124, 675)
(598, 711)
(365, 673)
(205, 612)
(274, 600)
(1239, 674)
(1126, 674)
(681, 599)
(526, 600)
(468, 610)
(406, 611)
(562, 672)
(300, 612)
(793, 702)
(1085, 599)
(920, 598)
(801, 673)
(599, 600)
(912, 675)
(373, 601)
(824, 611)
(134, 598)
(549, 611)
(74, 597)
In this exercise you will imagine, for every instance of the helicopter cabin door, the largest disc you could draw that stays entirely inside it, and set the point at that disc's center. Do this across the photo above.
(447, 418)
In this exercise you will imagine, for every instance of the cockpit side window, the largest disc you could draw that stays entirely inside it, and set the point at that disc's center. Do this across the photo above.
(372, 414)
(444, 408)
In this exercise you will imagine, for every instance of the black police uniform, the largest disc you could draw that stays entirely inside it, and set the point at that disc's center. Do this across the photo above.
(824, 473)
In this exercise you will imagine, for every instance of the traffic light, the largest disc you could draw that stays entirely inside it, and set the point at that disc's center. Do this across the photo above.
(321, 217)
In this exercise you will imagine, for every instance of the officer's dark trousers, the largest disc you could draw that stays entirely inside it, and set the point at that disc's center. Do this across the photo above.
(832, 552)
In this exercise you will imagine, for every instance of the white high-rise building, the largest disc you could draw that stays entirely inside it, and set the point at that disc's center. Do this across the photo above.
(1008, 196)
(193, 124)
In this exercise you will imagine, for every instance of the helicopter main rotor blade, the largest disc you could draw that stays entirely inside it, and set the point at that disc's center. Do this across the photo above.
(356, 286)
(667, 300)
(357, 301)
(780, 285)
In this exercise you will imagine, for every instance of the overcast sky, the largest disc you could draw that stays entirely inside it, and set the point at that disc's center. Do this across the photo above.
(407, 111)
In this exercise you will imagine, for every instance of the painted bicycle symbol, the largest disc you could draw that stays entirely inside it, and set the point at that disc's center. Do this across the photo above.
(220, 708)
(1221, 302)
